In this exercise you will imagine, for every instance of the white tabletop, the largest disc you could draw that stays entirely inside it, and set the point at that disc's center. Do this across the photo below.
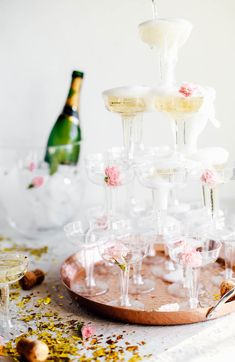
(208, 341)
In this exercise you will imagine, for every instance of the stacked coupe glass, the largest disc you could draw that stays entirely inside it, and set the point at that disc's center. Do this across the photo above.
(190, 235)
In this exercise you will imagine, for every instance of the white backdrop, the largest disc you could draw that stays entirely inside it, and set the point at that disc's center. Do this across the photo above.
(42, 41)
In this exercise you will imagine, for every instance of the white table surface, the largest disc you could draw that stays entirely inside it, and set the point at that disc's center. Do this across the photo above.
(209, 341)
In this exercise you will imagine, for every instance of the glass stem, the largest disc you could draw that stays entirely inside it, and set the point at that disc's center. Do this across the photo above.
(132, 126)
(128, 139)
(6, 321)
(229, 256)
(137, 277)
(180, 135)
(110, 202)
(211, 201)
(151, 250)
(160, 203)
(155, 12)
(192, 282)
(124, 286)
(168, 60)
(89, 267)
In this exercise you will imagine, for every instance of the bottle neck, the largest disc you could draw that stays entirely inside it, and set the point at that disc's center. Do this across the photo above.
(72, 103)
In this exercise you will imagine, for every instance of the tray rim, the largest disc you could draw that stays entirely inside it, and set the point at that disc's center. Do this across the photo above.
(136, 316)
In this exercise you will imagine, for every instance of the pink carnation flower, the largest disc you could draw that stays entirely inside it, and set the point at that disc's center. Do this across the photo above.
(112, 176)
(37, 181)
(191, 257)
(87, 331)
(32, 166)
(116, 254)
(187, 89)
(209, 178)
(102, 222)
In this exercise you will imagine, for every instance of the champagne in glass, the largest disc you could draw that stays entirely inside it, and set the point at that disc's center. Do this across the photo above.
(166, 35)
(189, 106)
(130, 103)
(12, 268)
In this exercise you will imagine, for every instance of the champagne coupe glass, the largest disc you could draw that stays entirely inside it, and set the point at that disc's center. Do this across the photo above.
(212, 179)
(166, 35)
(130, 103)
(84, 235)
(229, 255)
(160, 175)
(124, 248)
(12, 268)
(194, 254)
(110, 170)
(139, 284)
(227, 238)
(189, 106)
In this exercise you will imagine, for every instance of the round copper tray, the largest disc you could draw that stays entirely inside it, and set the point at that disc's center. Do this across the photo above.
(72, 270)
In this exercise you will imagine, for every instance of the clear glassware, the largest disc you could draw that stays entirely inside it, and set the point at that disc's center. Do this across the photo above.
(193, 254)
(84, 235)
(139, 284)
(47, 201)
(189, 106)
(12, 268)
(125, 248)
(160, 175)
(130, 103)
(212, 179)
(110, 170)
(229, 257)
(168, 270)
(227, 238)
(166, 35)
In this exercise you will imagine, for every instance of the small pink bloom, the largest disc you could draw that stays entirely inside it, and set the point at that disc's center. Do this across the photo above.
(112, 176)
(102, 222)
(191, 258)
(87, 331)
(32, 166)
(187, 89)
(116, 254)
(37, 181)
(209, 178)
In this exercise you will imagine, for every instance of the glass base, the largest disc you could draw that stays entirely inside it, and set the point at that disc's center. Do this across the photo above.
(147, 286)
(137, 208)
(218, 279)
(180, 208)
(12, 329)
(174, 276)
(81, 289)
(187, 306)
(162, 269)
(132, 303)
(177, 290)
(154, 259)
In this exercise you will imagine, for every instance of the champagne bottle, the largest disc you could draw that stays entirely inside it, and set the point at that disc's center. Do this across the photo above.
(63, 146)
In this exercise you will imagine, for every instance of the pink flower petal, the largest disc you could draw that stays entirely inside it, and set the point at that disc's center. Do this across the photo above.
(37, 181)
(191, 258)
(112, 176)
(87, 331)
(209, 177)
(187, 89)
(32, 166)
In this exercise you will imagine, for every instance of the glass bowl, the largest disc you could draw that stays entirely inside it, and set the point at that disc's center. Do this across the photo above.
(37, 197)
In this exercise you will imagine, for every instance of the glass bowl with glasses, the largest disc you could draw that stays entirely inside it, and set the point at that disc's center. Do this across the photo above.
(39, 196)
